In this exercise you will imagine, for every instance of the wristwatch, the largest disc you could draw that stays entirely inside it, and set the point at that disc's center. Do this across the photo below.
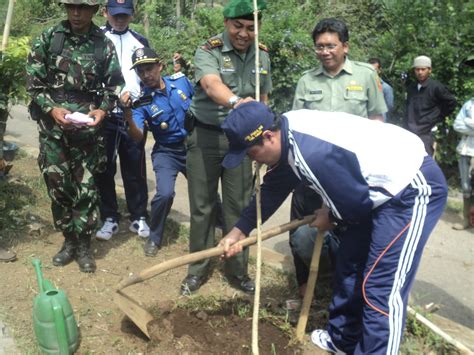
(233, 100)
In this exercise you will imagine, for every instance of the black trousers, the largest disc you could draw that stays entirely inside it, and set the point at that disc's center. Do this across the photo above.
(133, 170)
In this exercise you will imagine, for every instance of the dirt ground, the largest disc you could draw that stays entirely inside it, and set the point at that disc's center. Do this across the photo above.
(186, 325)
(215, 321)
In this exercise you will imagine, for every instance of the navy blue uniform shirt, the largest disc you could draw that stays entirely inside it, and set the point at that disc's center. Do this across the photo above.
(165, 114)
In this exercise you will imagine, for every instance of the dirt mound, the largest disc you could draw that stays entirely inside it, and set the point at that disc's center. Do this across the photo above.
(219, 332)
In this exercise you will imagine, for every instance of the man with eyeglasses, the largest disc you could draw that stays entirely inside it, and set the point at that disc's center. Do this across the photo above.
(338, 85)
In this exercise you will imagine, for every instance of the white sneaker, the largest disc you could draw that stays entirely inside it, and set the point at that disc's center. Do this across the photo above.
(322, 339)
(109, 228)
(140, 227)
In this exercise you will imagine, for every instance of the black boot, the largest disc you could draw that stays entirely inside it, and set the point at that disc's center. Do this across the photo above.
(67, 252)
(84, 256)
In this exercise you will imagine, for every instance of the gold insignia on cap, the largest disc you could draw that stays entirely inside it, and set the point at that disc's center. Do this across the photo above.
(255, 134)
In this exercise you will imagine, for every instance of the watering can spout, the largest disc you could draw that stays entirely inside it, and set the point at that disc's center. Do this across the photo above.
(43, 285)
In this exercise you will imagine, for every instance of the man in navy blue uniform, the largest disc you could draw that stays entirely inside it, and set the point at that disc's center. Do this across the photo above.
(132, 154)
(384, 198)
(163, 105)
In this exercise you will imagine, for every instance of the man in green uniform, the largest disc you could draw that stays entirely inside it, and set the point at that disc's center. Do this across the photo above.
(341, 85)
(73, 69)
(225, 78)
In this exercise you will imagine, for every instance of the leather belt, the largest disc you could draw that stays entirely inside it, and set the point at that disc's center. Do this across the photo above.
(209, 126)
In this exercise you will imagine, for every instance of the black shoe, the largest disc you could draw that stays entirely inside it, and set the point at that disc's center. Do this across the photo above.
(190, 284)
(84, 256)
(243, 283)
(66, 254)
(150, 248)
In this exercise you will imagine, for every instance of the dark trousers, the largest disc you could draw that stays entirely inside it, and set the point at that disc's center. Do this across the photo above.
(376, 265)
(168, 161)
(133, 169)
(302, 239)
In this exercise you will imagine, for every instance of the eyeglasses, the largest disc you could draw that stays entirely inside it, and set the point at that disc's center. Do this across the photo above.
(322, 48)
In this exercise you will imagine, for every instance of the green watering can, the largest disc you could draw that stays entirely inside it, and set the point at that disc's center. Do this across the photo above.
(54, 323)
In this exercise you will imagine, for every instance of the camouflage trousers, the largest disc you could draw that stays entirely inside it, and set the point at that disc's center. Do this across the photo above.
(68, 163)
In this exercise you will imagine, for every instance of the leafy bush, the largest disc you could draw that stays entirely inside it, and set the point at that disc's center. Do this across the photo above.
(12, 71)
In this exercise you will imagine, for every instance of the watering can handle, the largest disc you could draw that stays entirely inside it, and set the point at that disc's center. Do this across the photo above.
(39, 275)
(60, 327)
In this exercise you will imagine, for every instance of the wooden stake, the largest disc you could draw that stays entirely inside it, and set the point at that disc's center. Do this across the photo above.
(308, 295)
(256, 300)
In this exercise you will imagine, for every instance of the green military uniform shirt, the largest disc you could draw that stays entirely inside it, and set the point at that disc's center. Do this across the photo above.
(237, 71)
(74, 70)
(356, 89)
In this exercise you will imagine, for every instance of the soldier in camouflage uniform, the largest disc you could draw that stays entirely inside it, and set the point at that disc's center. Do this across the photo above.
(73, 67)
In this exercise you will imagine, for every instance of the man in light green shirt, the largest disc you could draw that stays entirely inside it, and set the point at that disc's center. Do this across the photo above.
(338, 84)
(225, 78)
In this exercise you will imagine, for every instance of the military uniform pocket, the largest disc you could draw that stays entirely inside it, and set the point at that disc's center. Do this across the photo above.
(355, 95)
(230, 79)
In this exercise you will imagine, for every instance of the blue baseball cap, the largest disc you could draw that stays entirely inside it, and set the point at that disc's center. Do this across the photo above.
(243, 126)
(117, 7)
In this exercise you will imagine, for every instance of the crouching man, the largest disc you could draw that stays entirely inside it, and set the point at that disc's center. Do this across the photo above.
(384, 198)
(163, 105)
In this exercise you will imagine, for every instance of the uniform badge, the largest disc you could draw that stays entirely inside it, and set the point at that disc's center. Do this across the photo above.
(261, 71)
(228, 65)
(140, 53)
(154, 108)
(354, 87)
(182, 95)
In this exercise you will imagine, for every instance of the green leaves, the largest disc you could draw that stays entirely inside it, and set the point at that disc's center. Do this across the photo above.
(12, 71)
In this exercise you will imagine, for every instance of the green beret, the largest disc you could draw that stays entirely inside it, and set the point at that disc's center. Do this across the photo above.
(242, 8)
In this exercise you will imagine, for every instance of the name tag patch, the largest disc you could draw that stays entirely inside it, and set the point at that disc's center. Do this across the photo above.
(355, 88)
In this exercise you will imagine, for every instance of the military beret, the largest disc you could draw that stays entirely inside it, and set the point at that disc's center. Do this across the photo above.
(242, 8)
(144, 56)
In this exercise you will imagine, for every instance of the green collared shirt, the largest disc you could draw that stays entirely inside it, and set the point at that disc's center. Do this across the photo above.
(356, 89)
(237, 71)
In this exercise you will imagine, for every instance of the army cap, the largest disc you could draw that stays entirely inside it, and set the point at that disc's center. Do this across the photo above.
(83, 2)
(242, 9)
(144, 56)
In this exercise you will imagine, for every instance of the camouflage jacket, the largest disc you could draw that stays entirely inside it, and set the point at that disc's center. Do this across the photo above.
(75, 70)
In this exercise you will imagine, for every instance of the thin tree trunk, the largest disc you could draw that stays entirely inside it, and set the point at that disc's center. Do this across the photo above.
(146, 19)
(178, 14)
(8, 21)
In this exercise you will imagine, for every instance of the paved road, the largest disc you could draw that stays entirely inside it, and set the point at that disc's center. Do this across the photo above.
(445, 276)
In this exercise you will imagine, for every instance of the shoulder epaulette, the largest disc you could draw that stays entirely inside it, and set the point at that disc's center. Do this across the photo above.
(176, 76)
(263, 47)
(214, 42)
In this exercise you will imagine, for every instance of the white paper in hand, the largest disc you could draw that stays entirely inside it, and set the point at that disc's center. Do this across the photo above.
(79, 118)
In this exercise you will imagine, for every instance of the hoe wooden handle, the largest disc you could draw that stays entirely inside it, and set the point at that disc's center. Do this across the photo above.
(156, 270)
